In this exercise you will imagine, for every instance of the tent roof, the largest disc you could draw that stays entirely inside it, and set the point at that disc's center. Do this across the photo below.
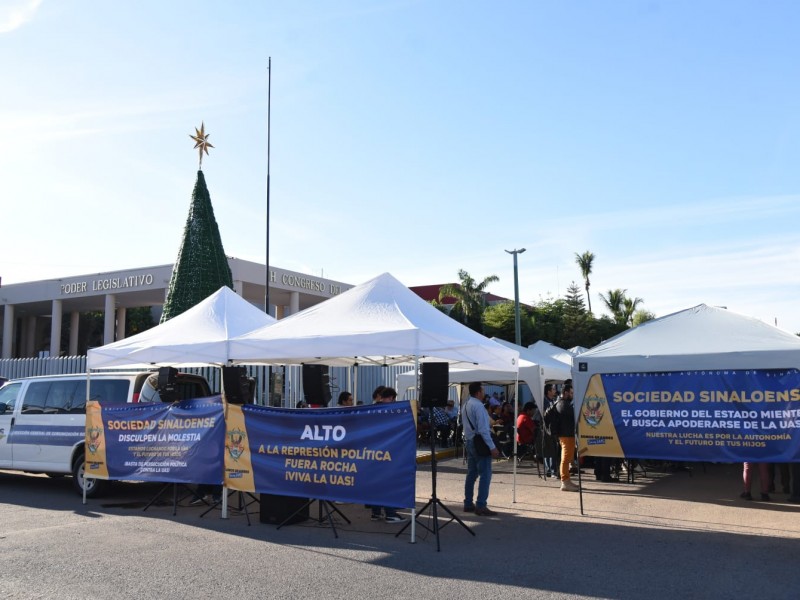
(550, 368)
(701, 330)
(698, 338)
(198, 336)
(695, 339)
(528, 373)
(380, 322)
(542, 350)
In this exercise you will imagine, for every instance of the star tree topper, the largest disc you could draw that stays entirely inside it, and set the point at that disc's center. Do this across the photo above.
(201, 141)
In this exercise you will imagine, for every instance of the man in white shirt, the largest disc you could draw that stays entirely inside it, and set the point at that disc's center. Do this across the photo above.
(476, 423)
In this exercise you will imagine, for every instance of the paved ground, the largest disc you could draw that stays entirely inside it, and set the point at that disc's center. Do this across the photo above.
(675, 535)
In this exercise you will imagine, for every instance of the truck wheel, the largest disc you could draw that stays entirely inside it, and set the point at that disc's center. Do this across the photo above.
(93, 486)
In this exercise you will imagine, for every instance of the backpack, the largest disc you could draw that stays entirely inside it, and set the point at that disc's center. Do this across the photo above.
(551, 420)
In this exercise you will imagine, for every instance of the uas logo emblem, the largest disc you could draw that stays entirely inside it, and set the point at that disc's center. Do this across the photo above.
(235, 445)
(93, 439)
(594, 409)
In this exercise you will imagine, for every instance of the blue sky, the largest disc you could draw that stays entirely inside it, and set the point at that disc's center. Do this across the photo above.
(417, 138)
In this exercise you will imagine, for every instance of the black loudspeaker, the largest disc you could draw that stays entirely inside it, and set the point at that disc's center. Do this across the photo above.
(237, 386)
(167, 378)
(277, 509)
(434, 381)
(316, 386)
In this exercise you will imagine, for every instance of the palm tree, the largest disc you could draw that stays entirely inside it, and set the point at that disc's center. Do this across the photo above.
(615, 303)
(470, 297)
(585, 261)
(629, 309)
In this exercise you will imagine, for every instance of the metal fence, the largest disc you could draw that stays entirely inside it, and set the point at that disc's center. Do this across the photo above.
(288, 394)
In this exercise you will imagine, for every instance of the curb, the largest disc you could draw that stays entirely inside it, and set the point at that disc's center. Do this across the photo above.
(443, 453)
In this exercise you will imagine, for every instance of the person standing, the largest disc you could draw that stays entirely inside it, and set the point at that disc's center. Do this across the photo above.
(475, 421)
(385, 395)
(747, 479)
(566, 435)
(549, 440)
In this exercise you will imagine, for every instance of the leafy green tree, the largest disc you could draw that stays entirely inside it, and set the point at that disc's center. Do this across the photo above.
(641, 316)
(629, 306)
(470, 298)
(584, 262)
(138, 320)
(548, 321)
(202, 267)
(499, 321)
(578, 329)
(606, 328)
(615, 303)
(439, 306)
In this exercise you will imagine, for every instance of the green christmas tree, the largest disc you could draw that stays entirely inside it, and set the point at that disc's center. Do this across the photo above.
(202, 267)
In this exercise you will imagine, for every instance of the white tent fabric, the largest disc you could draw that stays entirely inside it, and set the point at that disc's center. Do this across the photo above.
(197, 337)
(697, 338)
(549, 368)
(528, 373)
(542, 350)
(378, 322)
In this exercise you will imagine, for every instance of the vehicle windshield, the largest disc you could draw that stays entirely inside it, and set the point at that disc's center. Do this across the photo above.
(8, 395)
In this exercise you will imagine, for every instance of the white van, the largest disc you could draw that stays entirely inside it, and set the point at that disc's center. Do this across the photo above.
(43, 419)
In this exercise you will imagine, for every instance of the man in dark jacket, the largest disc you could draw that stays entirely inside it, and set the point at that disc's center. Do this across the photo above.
(566, 435)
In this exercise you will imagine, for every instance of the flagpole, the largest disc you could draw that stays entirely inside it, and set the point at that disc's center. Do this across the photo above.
(268, 400)
(269, 94)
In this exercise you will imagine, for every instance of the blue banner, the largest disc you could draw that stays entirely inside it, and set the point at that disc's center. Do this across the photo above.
(181, 442)
(363, 454)
(720, 415)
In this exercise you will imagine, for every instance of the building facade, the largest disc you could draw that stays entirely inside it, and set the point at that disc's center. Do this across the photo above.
(34, 313)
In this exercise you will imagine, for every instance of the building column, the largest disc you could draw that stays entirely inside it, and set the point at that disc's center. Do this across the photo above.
(74, 324)
(238, 287)
(279, 312)
(294, 302)
(55, 329)
(110, 309)
(121, 314)
(8, 330)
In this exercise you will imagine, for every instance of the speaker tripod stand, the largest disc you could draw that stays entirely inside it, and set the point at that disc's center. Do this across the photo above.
(434, 504)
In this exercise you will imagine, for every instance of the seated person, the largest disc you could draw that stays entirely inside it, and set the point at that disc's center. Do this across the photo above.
(526, 426)
(507, 417)
(493, 416)
(441, 424)
(451, 411)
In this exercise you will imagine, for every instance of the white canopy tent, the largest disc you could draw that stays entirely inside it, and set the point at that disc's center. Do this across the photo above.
(697, 338)
(701, 338)
(575, 350)
(528, 373)
(543, 350)
(380, 322)
(549, 368)
(535, 369)
(198, 337)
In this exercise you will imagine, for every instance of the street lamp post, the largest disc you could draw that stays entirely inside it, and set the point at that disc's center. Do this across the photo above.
(518, 341)
(517, 325)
